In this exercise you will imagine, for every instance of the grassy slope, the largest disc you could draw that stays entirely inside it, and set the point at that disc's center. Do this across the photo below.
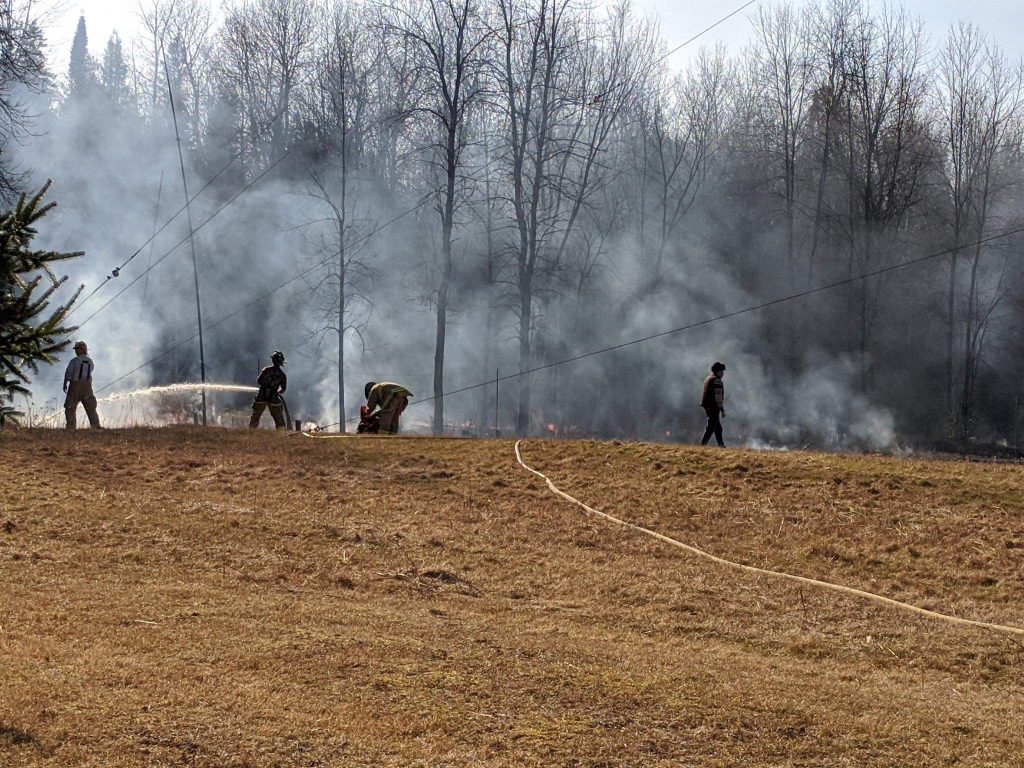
(211, 598)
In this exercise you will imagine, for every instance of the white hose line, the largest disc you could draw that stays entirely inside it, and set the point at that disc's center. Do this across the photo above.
(774, 574)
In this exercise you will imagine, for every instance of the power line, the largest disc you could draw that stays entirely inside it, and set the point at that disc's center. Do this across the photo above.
(185, 239)
(657, 61)
(593, 353)
(727, 315)
(705, 31)
(116, 271)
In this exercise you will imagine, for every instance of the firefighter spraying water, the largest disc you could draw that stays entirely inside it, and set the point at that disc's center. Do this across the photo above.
(272, 383)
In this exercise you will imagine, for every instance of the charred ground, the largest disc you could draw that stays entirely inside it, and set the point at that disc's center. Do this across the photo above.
(219, 598)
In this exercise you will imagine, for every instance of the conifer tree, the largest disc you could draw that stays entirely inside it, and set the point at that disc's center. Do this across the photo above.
(114, 73)
(31, 330)
(82, 67)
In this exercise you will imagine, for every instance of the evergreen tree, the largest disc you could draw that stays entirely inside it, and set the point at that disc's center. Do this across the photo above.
(114, 74)
(31, 331)
(82, 69)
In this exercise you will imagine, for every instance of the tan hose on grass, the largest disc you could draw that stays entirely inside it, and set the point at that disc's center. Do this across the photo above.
(881, 600)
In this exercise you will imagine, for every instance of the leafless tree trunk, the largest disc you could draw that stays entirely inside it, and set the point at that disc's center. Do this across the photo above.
(339, 108)
(449, 35)
(889, 149)
(784, 65)
(981, 104)
(562, 96)
(265, 49)
(831, 39)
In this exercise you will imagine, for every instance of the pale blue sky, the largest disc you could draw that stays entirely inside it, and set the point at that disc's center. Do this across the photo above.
(1003, 20)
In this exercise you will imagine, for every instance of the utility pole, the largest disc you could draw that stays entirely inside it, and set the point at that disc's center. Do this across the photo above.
(497, 378)
(191, 236)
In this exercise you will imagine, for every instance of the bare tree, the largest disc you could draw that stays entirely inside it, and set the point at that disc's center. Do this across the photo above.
(265, 48)
(563, 91)
(22, 69)
(981, 105)
(189, 51)
(888, 149)
(831, 33)
(396, 85)
(783, 61)
(450, 36)
(339, 108)
(680, 133)
(155, 17)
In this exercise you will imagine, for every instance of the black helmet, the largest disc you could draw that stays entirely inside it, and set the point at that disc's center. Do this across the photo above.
(717, 367)
(369, 385)
(277, 358)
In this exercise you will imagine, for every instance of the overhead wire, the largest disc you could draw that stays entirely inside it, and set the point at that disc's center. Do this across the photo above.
(650, 66)
(632, 342)
(116, 271)
(416, 207)
(705, 31)
(709, 320)
(267, 294)
(727, 315)
(185, 239)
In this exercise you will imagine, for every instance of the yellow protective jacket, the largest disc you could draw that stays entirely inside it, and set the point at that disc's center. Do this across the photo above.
(383, 393)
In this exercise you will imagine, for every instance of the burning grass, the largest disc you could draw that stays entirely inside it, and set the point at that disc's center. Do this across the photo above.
(211, 598)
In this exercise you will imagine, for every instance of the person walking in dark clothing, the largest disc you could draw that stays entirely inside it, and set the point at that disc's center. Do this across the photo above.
(272, 383)
(712, 400)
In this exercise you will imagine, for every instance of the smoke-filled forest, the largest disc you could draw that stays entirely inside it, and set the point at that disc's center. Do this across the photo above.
(448, 192)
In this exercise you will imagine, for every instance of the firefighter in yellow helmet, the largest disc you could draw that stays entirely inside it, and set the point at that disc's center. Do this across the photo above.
(391, 398)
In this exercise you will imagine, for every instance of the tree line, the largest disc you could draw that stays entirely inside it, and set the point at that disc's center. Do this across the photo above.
(564, 182)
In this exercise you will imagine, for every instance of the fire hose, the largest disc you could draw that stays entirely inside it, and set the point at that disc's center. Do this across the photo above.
(781, 575)
(287, 414)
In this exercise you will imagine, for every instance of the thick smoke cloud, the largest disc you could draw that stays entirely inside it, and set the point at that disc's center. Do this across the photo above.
(863, 366)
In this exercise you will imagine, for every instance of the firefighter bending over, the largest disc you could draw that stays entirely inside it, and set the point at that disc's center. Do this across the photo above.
(272, 382)
(391, 399)
(78, 386)
(712, 400)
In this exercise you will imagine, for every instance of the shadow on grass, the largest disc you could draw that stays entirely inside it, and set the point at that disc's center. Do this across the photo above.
(15, 736)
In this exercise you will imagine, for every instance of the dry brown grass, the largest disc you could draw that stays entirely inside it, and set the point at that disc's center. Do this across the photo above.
(211, 598)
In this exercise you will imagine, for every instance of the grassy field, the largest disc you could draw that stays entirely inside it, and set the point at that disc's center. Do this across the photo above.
(213, 598)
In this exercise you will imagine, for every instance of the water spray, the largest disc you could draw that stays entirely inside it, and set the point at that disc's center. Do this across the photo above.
(176, 389)
(165, 389)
